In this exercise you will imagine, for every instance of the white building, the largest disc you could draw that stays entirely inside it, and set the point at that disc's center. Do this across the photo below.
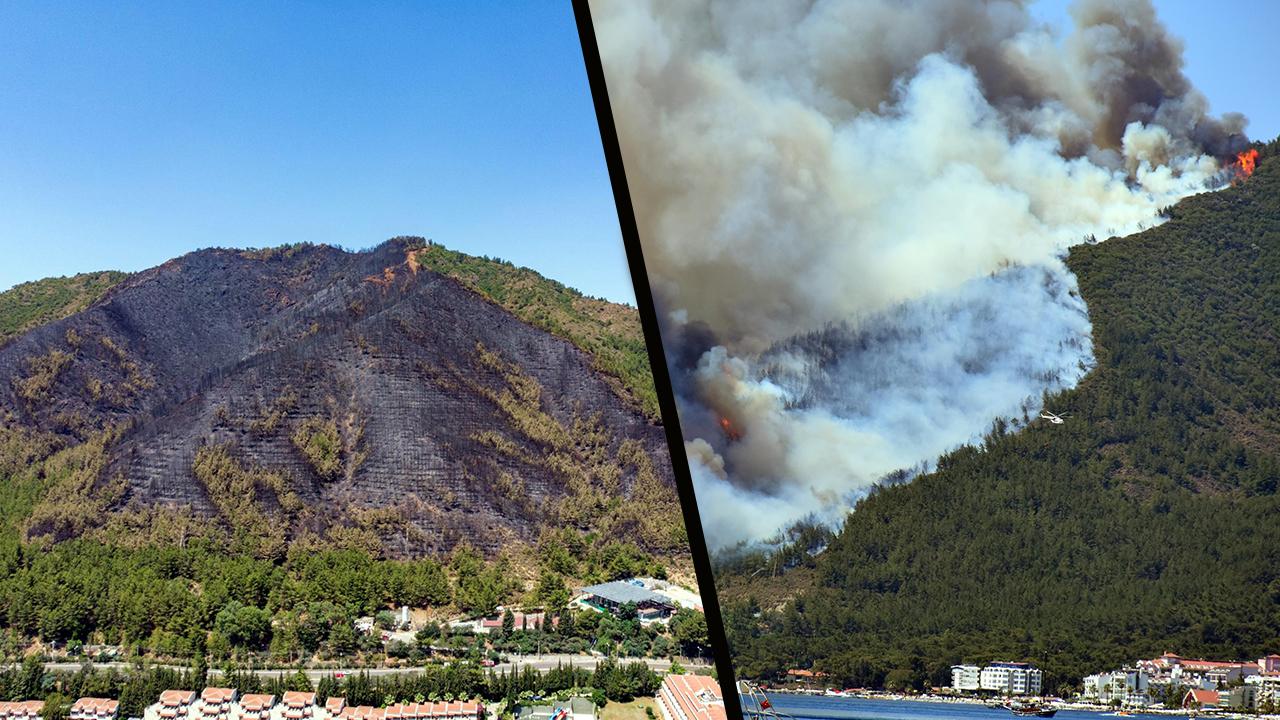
(1128, 686)
(966, 678)
(1011, 678)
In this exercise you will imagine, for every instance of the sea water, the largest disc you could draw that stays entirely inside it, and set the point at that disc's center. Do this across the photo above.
(826, 707)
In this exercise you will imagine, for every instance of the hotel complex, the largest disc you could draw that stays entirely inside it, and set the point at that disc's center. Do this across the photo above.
(1004, 678)
(1200, 684)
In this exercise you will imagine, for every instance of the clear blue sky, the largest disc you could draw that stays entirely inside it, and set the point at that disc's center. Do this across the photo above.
(132, 132)
(1230, 54)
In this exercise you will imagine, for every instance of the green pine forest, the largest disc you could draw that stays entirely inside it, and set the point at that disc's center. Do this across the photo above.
(1146, 523)
(32, 304)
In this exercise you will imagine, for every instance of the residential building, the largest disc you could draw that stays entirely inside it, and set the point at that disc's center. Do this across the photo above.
(216, 704)
(172, 705)
(1011, 678)
(1269, 664)
(966, 678)
(296, 705)
(22, 710)
(611, 596)
(334, 706)
(254, 706)
(691, 697)
(1127, 686)
(576, 709)
(90, 708)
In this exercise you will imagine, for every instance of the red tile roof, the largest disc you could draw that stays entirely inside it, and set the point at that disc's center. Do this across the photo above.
(218, 695)
(256, 702)
(698, 696)
(294, 698)
(177, 697)
(95, 705)
(412, 711)
(1204, 697)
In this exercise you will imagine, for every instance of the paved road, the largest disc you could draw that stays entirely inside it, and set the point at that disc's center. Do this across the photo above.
(540, 663)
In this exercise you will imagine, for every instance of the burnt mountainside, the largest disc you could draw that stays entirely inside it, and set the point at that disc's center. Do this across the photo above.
(308, 392)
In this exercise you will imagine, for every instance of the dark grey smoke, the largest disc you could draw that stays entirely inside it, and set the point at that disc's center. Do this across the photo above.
(878, 167)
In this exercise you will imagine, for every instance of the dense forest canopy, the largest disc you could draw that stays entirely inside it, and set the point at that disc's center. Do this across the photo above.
(1143, 524)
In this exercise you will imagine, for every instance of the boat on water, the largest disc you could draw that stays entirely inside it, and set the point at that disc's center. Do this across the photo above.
(1029, 709)
(756, 705)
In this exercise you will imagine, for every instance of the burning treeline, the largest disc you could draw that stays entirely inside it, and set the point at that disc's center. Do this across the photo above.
(853, 214)
(1244, 164)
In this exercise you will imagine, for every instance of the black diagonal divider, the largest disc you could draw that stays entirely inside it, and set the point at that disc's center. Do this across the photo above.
(649, 320)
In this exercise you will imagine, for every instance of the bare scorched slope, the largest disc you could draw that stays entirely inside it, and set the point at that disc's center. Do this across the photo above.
(309, 392)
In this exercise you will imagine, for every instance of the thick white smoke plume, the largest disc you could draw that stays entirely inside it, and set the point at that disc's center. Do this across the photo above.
(854, 212)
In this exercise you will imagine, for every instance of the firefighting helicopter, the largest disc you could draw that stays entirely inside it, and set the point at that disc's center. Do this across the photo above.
(1051, 417)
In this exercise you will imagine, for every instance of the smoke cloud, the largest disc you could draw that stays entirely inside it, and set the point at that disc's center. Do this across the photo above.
(854, 212)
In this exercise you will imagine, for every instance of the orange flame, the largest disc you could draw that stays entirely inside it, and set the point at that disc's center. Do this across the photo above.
(729, 430)
(1245, 163)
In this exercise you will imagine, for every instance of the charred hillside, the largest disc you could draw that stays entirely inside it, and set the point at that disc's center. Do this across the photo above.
(1143, 524)
(310, 395)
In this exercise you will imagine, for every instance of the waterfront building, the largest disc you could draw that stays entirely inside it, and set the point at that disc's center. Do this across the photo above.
(1200, 699)
(1241, 697)
(966, 678)
(1127, 686)
(1011, 678)
(1196, 673)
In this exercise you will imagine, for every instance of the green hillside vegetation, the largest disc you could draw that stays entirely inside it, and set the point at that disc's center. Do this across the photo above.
(1146, 523)
(610, 333)
(32, 304)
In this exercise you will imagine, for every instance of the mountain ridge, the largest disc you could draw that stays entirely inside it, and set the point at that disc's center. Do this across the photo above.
(252, 387)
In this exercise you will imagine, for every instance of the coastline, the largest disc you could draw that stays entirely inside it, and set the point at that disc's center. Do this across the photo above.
(1059, 704)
